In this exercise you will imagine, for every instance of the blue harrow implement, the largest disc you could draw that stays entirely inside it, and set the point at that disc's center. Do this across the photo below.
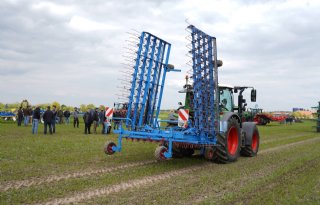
(217, 137)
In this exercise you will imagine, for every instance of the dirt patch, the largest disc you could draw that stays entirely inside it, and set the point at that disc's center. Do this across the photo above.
(55, 178)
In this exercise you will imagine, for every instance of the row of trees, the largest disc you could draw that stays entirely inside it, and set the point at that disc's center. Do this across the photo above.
(15, 106)
(301, 115)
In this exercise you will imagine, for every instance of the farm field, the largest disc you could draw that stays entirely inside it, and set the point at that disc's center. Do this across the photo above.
(71, 167)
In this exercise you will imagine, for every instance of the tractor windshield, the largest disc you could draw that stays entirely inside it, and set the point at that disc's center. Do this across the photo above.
(226, 99)
(120, 106)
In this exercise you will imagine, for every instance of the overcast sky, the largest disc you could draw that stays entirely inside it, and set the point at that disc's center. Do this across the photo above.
(71, 51)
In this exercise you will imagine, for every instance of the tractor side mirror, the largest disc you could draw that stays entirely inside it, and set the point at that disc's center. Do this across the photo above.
(253, 95)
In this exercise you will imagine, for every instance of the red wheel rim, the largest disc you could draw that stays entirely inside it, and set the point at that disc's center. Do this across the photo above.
(233, 140)
(163, 150)
(254, 143)
(109, 148)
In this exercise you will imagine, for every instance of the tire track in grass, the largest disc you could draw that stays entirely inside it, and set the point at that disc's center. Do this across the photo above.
(55, 178)
(87, 195)
(78, 174)
(273, 149)
(258, 175)
(284, 138)
(124, 186)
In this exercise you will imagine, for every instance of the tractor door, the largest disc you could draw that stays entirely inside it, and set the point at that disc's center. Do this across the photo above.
(226, 100)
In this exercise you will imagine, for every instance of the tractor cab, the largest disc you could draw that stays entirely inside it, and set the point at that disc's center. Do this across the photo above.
(120, 106)
(226, 98)
(226, 102)
(120, 109)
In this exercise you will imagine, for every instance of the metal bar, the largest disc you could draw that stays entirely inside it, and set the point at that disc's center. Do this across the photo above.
(216, 86)
(154, 86)
(163, 80)
(158, 81)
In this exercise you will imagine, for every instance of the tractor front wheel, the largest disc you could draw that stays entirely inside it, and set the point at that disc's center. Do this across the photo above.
(108, 148)
(252, 149)
(228, 144)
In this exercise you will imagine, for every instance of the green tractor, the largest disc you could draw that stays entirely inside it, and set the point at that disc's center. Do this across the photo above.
(231, 116)
(226, 99)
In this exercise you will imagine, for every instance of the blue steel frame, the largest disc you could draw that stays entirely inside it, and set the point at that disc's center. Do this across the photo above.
(146, 93)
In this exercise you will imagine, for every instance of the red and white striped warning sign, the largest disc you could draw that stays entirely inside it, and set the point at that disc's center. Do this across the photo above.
(109, 112)
(183, 117)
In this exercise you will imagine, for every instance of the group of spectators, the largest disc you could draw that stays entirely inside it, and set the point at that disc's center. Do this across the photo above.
(24, 115)
(52, 116)
(96, 117)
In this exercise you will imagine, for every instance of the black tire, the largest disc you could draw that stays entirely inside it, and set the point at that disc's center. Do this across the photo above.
(252, 150)
(108, 148)
(228, 144)
(159, 153)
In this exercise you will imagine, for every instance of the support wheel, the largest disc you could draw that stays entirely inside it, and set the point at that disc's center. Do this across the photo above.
(108, 148)
(159, 153)
(209, 153)
(252, 150)
(228, 148)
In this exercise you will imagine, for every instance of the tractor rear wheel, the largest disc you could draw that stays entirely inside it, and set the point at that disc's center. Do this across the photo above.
(252, 149)
(159, 153)
(108, 148)
(228, 144)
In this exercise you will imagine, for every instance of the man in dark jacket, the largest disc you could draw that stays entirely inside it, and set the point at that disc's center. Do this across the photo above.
(95, 120)
(20, 116)
(87, 117)
(26, 115)
(48, 118)
(35, 120)
(76, 118)
(53, 122)
(60, 116)
(102, 118)
(67, 116)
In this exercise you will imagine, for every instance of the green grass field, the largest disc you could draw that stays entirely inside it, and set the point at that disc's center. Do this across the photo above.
(71, 167)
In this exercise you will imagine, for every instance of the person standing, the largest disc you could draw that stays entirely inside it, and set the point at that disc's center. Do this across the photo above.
(102, 118)
(30, 112)
(76, 118)
(35, 120)
(60, 116)
(26, 115)
(95, 120)
(67, 116)
(20, 116)
(53, 122)
(48, 118)
(107, 125)
(87, 117)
